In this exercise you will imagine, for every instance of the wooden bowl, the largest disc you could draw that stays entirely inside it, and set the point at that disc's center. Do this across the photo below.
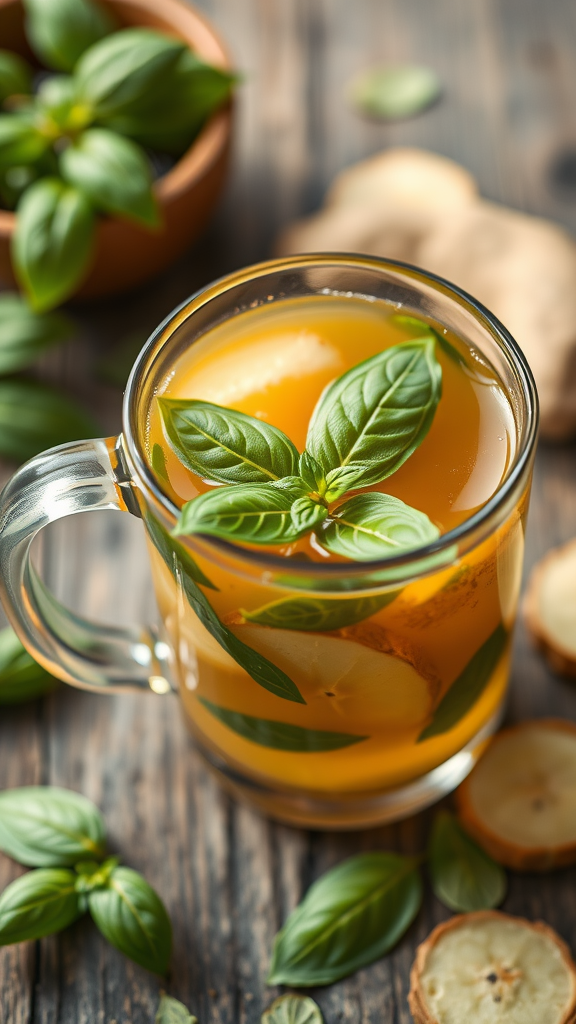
(125, 254)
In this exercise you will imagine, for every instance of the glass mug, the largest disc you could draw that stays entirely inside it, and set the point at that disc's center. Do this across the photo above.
(279, 754)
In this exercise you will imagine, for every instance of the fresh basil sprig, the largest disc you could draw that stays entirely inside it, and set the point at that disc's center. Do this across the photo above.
(293, 1009)
(371, 526)
(255, 513)
(50, 829)
(463, 876)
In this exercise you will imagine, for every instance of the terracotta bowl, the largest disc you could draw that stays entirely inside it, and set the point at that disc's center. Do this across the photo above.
(125, 254)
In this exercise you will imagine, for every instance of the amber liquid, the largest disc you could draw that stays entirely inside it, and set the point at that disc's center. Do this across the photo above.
(384, 677)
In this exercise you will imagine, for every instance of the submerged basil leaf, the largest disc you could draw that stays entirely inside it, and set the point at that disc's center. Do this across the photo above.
(254, 513)
(171, 1011)
(225, 445)
(464, 878)
(132, 917)
(45, 826)
(373, 526)
(372, 418)
(21, 678)
(21, 142)
(25, 335)
(395, 92)
(281, 735)
(15, 75)
(113, 173)
(60, 31)
(38, 903)
(175, 556)
(318, 614)
(53, 241)
(51, 418)
(351, 916)
(468, 687)
(293, 1009)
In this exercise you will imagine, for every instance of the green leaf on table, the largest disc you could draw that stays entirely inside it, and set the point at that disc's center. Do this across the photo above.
(21, 678)
(127, 68)
(38, 903)
(225, 445)
(350, 917)
(132, 917)
(21, 142)
(171, 1011)
(307, 514)
(372, 526)
(468, 687)
(113, 173)
(292, 1009)
(15, 75)
(34, 417)
(53, 242)
(372, 418)
(419, 328)
(26, 335)
(45, 826)
(464, 877)
(318, 614)
(281, 735)
(253, 513)
(59, 31)
(395, 92)
(188, 575)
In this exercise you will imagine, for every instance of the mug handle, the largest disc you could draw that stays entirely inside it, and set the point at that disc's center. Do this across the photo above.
(78, 477)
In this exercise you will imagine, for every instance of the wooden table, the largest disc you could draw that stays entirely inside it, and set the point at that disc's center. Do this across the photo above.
(228, 877)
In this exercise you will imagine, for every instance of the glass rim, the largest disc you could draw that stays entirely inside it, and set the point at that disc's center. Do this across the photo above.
(265, 560)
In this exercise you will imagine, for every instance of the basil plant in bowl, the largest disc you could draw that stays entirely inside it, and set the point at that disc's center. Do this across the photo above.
(115, 104)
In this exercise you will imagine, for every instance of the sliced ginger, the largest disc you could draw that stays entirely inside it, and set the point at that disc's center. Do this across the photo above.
(519, 802)
(550, 608)
(491, 968)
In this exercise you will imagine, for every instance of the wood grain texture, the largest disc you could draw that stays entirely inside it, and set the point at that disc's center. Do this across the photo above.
(228, 877)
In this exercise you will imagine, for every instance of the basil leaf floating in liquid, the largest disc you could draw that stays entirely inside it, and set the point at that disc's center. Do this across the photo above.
(372, 526)
(395, 92)
(132, 917)
(372, 418)
(171, 1011)
(113, 173)
(350, 917)
(225, 445)
(39, 903)
(15, 75)
(464, 878)
(254, 513)
(175, 556)
(281, 735)
(468, 687)
(293, 1009)
(318, 614)
(25, 335)
(45, 826)
(51, 418)
(420, 328)
(60, 31)
(52, 243)
(21, 678)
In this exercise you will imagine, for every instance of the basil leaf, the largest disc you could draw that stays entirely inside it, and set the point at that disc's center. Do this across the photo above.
(373, 526)
(226, 445)
(53, 241)
(375, 416)
(15, 75)
(24, 335)
(420, 328)
(175, 556)
(158, 463)
(113, 173)
(311, 473)
(126, 68)
(38, 903)
(395, 92)
(351, 916)
(60, 31)
(281, 735)
(34, 417)
(20, 140)
(318, 614)
(306, 514)
(45, 826)
(171, 1011)
(256, 665)
(132, 917)
(293, 1009)
(468, 687)
(464, 878)
(254, 513)
(59, 103)
(21, 678)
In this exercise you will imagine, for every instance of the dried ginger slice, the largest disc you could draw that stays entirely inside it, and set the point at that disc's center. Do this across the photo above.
(491, 968)
(519, 802)
(550, 607)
